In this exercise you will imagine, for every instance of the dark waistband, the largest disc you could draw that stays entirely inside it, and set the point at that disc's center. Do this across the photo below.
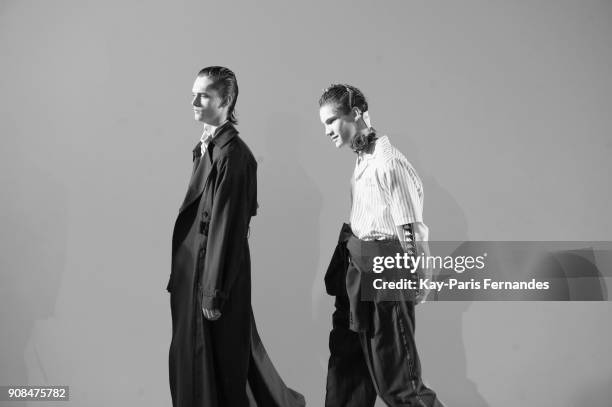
(371, 248)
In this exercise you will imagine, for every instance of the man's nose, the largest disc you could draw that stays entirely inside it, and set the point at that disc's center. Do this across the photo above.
(195, 101)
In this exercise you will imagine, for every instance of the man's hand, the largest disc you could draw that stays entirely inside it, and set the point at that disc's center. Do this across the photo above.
(211, 314)
(422, 296)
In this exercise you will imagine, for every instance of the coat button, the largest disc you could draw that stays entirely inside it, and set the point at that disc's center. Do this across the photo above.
(205, 214)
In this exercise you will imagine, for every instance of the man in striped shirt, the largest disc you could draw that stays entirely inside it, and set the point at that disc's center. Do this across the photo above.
(372, 343)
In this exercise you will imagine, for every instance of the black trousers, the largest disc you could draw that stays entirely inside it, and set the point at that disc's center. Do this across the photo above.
(383, 361)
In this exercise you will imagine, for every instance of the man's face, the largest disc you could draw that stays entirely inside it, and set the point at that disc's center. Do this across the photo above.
(207, 105)
(339, 127)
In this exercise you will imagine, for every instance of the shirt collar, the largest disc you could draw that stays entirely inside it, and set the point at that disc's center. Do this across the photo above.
(362, 156)
(211, 130)
(383, 140)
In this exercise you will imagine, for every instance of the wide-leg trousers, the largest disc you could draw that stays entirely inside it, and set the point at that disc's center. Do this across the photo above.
(383, 361)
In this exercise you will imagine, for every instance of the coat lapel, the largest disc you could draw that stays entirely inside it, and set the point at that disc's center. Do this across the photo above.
(204, 164)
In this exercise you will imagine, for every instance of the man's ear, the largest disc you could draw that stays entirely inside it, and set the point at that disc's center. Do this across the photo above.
(356, 113)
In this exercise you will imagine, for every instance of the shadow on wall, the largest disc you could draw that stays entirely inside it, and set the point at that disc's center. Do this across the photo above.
(34, 240)
(594, 393)
(284, 241)
(574, 276)
(439, 325)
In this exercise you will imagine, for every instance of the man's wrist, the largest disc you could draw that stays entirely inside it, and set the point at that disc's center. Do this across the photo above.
(212, 303)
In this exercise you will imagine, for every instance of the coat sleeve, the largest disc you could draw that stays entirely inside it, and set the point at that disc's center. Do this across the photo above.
(229, 222)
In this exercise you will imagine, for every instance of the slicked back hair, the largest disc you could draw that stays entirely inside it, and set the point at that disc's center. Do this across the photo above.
(344, 98)
(224, 82)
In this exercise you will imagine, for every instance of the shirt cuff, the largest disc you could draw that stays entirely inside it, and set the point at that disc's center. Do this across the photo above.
(405, 219)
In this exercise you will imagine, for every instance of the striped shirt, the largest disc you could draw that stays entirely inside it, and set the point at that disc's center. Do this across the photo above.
(386, 192)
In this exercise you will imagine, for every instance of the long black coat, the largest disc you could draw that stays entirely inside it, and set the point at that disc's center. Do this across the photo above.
(220, 363)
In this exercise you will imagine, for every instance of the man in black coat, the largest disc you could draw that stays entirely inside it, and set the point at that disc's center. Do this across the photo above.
(216, 357)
